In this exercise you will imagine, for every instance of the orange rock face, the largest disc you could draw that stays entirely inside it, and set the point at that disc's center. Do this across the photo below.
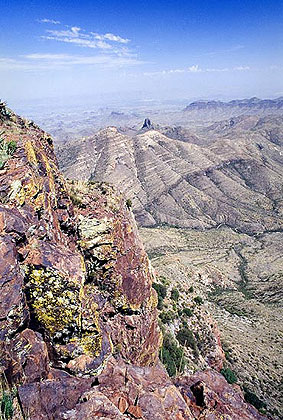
(79, 334)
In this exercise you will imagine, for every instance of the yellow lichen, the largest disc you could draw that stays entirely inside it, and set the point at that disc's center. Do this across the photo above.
(17, 192)
(91, 344)
(83, 264)
(30, 152)
(55, 306)
(152, 301)
(38, 201)
(50, 174)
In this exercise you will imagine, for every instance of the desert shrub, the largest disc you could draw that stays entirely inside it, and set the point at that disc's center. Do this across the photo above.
(175, 294)
(161, 293)
(164, 280)
(7, 409)
(76, 200)
(198, 300)
(229, 375)
(172, 355)
(7, 149)
(187, 339)
(191, 289)
(187, 312)
(167, 316)
(12, 147)
(253, 399)
(227, 352)
(129, 203)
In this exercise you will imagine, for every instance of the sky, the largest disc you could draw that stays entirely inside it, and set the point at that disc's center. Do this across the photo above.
(158, 50)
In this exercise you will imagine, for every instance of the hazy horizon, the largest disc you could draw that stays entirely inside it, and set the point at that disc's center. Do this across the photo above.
(160, 51)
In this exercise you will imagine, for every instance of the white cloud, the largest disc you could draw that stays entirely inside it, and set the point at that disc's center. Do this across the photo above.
(177, 71)
(196, 69)
(77, 36)
(220, 52)
(164, 72)
(111, 37)
(46, 62)
(209, 70)
(54, 22)
(111, 51)
(242, 68)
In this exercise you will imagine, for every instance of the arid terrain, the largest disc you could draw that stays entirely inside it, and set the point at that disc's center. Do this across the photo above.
(228, 173)
(240, 279)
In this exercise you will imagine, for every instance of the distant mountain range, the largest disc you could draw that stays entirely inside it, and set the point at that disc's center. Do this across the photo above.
(209, 111)
(81, 121)
(250, 104)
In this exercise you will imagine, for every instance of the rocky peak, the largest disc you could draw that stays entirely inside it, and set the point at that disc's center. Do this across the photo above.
(147, 124)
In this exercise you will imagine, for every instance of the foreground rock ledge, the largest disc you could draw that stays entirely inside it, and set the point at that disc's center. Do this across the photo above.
(79, 335)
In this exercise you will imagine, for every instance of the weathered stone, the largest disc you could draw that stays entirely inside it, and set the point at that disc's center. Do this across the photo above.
(135, 411)
(123, 404)
(210, 397)
(48, 399)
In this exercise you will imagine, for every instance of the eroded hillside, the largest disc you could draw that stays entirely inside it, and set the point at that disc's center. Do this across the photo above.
(229, 174)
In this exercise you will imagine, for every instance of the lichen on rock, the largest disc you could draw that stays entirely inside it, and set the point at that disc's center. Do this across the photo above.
(54, 301)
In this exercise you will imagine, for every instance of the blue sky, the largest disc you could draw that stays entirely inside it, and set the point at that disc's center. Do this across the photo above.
(157, 49)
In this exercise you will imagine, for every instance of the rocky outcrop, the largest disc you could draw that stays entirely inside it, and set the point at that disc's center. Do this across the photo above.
(211, 398)
(79, 333)
(147, 124)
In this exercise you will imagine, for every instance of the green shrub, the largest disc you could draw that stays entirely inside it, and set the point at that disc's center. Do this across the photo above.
(161, 293)
(198, 300)
(7, 409)
(187, 339)
(129, 203)
(187, 312)
(172, 355)
(253, 399)
(167, 317)
(12, 147)
(175, 294)
(229, 375)
(7, 149)
(191, 289)
(164, 280)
